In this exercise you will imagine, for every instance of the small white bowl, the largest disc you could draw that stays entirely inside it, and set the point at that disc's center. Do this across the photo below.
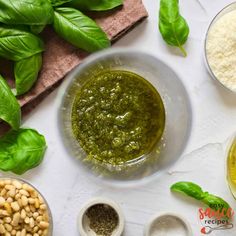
(229, 8)
(83, 221)
(164, 219)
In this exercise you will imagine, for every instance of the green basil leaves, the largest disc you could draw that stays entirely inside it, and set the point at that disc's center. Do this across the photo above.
(95, 5)
(21, 150)
(26, 73)
(26, 12)
(188, 188)
(24, 19)
(193, 190)
(17, 44)
(9, 107)
(173, 27)
(79, 30)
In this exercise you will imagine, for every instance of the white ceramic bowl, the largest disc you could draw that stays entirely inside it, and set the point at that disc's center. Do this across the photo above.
(83, 221)
(167, 217)
(225, 10)
(176, 102)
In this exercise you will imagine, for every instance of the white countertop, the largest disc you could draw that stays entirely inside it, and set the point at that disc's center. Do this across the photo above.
(214, 109)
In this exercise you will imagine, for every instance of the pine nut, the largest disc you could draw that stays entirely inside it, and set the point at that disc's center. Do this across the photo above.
(23, 232)
(31, 222)
(24, 192)
(9, 187)
(31, 201)
(8, 227)
(16, 219)
(7, 220)
(43, 224)
(24, 200)
(9, 200)
(23, 214)
(8, 208)
(35, 229)
(2, 229)
(15, 206)
(2, 201)
(4, 213)
(37, 203)
(17, 184)
(27, 220)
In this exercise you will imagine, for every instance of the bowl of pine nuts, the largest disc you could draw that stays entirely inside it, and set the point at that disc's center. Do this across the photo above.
(23, 210)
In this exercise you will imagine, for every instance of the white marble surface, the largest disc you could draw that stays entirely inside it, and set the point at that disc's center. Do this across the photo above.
(214, 108)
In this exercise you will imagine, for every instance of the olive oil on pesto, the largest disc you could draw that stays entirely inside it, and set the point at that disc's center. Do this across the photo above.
(117, 117)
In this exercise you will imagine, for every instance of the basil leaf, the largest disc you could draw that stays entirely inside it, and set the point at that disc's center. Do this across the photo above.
(216, 203)
(37, 29)
(21, 150)
(17, 44)
(26, 12)
(26, 73)
(79, 30)
(95, 5)
(173, 27)
(193, 190)
(10, 111)
(57, 3)
(188, 188)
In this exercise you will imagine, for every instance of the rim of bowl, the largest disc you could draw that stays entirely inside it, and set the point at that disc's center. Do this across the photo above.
(100, 200)
(205, 46)
(121, 51)
(157, 216)
(45, 201)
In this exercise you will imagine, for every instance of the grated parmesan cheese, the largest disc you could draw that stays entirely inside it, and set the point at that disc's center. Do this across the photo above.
(221, 49)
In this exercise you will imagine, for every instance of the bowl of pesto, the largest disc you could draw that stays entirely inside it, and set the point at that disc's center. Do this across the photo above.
(125, 115)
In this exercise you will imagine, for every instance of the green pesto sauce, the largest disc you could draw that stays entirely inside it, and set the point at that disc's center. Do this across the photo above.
(117, 117)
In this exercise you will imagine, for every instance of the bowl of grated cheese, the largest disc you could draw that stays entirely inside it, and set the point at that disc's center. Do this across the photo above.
(220, 47)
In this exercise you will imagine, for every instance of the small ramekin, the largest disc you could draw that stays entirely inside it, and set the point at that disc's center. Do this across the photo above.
(158, 216)
(83, 223)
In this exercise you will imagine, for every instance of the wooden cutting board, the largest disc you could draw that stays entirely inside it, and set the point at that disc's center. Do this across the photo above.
(60, 57)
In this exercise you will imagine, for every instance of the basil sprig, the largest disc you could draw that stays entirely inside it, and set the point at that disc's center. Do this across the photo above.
(193, 190)
(21, 150)
(95, 5)
(173, 27)
(26, 12)
(9, 107)
(79, 30)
